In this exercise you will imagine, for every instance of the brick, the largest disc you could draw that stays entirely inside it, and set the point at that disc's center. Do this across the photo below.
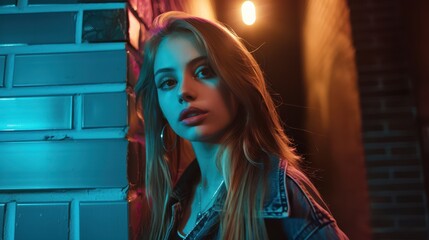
(376, 175)
(390, 40)
(376, 17)
(394, 68)
(400, 234)
(373, 158)
(35, 113)
(370, 77)
(391, 110)
(392, 186)
(413, 222)
(375, 151)
(373, 126)
(379, 55)
(407, 174)
(387, 92)
(368, 83)
(379, 64)
(375, 27)
(391, 139)
(398, 102)
(396, 81)
(372, 4)
(403, 125)
(373, 105)
(39, 28)
(386, 85)
(387, 157)
(378, 222)
(103, 220)
(66, 164)
(381, 199)
(410, 198)
(104, 26)
(410, 150)
(7, 3)
(104, 110)
(390, 114)
(2, 216)
(70, 68)
(378, 13)
(42, 221)
(405, 210)
(2, 69)
(393, 163)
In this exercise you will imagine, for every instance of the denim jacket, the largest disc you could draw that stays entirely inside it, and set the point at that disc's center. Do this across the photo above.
(293, 209)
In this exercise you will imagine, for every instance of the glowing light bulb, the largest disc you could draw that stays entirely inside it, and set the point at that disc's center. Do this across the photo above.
(248, 12)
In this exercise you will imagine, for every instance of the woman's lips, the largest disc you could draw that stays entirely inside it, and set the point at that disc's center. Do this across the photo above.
(195, 120)
(190, 112)
(192, 116)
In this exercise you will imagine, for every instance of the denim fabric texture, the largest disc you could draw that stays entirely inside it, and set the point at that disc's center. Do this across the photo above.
(293, 208)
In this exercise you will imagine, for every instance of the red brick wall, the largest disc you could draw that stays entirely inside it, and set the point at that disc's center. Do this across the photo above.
(389, 116)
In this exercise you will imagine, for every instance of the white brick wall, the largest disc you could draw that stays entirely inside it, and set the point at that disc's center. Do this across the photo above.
(63, 120)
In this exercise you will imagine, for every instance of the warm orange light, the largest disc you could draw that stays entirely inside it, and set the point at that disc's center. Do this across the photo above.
(133, 30)
(248, 12)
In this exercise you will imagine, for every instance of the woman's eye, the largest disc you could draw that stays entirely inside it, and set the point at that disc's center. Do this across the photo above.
(204, 72)
(167, 83)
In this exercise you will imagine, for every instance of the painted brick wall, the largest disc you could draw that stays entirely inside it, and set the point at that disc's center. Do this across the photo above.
(63, 120)
(390, 130)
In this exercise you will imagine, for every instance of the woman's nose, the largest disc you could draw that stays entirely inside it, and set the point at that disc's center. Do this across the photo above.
(187, 92)
(185, 97)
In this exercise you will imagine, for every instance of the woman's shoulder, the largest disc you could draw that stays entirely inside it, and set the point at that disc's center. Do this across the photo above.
(292, 193)
(304, 197)
(294, 200)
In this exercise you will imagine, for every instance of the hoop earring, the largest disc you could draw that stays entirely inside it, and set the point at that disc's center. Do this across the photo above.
(163, 142)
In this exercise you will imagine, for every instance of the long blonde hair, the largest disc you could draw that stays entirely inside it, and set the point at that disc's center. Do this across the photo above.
(254, 135)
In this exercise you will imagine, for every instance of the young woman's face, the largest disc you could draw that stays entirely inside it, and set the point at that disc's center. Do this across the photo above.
(188, 91)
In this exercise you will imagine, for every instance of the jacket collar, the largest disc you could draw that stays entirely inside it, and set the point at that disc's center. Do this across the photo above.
(276, 204)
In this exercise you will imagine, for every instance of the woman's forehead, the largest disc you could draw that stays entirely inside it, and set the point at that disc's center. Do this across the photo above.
(178, 48)
(196, 41)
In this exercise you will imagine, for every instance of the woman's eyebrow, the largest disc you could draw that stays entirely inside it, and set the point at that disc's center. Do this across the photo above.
(197, 60)
(163, 70)
(190, 63)
(193, 62)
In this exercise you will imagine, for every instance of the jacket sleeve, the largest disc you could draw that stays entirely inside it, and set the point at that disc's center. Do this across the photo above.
(303, 229)
(328, 231)
(307, 204)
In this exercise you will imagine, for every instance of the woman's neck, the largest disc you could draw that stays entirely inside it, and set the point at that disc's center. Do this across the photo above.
(206, 156)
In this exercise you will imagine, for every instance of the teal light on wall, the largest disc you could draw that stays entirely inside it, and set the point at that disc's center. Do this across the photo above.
(35, 113)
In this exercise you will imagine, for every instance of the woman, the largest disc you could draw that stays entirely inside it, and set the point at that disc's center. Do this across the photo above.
(204, 95)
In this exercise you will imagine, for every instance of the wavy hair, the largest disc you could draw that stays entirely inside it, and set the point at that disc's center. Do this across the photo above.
(254, 135)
